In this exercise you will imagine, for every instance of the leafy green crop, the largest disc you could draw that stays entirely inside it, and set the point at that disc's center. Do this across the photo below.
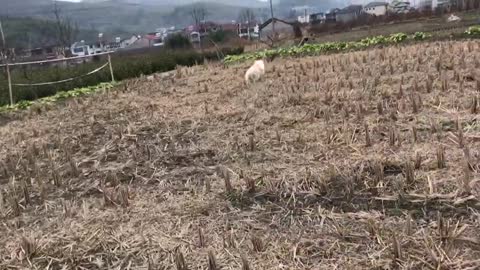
(397, 38)
(374, 40)
(421, 36)
(473, 30)
(25, 104)
(315, 49)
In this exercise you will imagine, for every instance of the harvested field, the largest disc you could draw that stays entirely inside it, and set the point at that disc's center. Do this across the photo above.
(362, 160)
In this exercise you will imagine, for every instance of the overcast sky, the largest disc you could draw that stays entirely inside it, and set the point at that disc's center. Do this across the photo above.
(194, 0)
(345, 2)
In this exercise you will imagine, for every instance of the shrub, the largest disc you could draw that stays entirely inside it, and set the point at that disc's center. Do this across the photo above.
(178, 41)
(125, 65)
(218, 36)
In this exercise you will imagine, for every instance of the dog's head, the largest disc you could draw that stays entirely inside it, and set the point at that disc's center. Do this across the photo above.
(260, 63)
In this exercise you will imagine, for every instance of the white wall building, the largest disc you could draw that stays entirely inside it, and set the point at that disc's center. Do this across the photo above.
(312, 18)
(376, 8)
(304, 19)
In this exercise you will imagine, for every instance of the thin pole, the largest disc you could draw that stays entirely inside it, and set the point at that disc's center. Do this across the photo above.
(111, 68)
(271, 13)
(9, 78)
(3, 36)
(7, 67)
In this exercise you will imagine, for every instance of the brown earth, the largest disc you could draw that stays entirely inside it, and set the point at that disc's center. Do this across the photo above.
(363, 160)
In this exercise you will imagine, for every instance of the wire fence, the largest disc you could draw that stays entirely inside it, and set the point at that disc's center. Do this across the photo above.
(11, 83)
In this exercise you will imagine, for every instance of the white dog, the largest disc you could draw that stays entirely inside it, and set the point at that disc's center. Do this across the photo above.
(255, 72)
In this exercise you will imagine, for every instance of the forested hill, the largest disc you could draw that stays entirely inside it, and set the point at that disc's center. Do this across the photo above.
(32, 33)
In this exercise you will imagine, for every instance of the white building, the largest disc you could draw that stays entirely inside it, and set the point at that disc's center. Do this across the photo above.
(128, 41)
(303, 9)
(303, 19)
(399, 6)
(376, 8)
(312, 18)
(83, 49)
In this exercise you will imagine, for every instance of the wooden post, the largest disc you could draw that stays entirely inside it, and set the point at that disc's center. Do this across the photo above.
(9, 78)
(111, 68)
(7, 67)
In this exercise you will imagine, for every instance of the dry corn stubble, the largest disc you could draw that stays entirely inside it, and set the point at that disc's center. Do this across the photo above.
(305, 174)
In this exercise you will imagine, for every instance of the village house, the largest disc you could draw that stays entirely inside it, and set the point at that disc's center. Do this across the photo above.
(331, 16)
(303, 10)
(124, 43)
(141, 43)
(441, 4)
(349, 13)
(313, 18)
(41, 53)
(376, 8)
(127, 43)
(248, 30)
(203, 27)
(82, 49)
(196, 32)
(435, 5)
(49, 52)
(399, 7)
(155, 39)
(283, 29)
(316, 18)
(424, 5)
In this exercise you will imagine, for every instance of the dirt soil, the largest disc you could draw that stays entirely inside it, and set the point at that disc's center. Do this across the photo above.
(362, 160)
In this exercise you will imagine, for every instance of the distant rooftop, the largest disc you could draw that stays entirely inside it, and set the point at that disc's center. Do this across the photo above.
(375, 4)
(350, 9)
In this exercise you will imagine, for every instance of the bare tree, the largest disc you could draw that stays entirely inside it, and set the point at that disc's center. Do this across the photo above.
(246, 15)
(198, 14)
(271, 13)
(67, 31)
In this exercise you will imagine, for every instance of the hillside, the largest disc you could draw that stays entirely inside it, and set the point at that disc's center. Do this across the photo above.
(215, 12)
(245, 3)
(103, 16)
(358, 160)
(124, 16)
(140, 16)
(32, 33)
